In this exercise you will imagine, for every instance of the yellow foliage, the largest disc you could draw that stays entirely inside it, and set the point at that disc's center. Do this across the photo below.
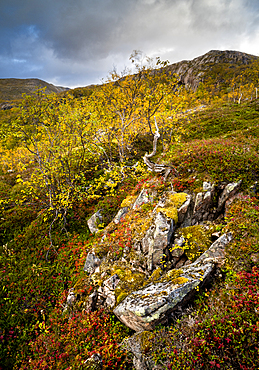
(197, 240)
(173, 203)
(127, 202)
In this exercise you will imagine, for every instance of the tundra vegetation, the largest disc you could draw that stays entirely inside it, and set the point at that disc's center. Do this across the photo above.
(65, 156)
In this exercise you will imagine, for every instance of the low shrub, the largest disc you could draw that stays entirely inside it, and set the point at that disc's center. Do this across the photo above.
(224, 333)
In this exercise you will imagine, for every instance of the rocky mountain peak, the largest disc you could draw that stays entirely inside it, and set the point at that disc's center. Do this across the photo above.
(192, 72)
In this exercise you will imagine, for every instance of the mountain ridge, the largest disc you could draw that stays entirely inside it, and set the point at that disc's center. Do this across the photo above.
(190, 72)
(14, 88)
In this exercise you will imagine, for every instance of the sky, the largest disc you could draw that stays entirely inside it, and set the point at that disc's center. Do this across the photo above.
(74, 43)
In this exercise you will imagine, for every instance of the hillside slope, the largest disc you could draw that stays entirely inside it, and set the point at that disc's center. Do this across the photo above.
(14, 88)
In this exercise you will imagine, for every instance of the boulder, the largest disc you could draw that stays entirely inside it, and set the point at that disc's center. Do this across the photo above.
(94, 222)
(183, 211)
(143, 198)
(151, 305)
(120, 215)
(91, 263)
(228, 192)
(157, 239)
(203, 205)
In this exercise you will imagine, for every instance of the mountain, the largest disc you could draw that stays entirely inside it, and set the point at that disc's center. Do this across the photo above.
(215, 64)
(217, 67)
(14, 88)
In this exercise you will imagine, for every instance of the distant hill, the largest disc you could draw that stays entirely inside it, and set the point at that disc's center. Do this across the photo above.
(13, 88)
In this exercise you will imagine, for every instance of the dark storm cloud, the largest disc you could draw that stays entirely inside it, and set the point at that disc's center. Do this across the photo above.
(76, 42)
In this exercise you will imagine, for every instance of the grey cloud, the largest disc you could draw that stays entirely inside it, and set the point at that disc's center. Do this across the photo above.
(77, 42)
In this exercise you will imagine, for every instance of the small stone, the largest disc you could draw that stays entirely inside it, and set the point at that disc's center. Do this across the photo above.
(255, 257)
(91, 262)
(121, 214)
(179, 241)
(94, 221)
(177, 252)
(71, 298)
(112, 282)
(206, 186)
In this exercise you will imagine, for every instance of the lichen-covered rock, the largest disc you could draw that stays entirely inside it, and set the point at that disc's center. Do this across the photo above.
(183, 211)
(157, 239)
(147, 307)
(91, 263)
(143, 198)
(94, 222)
(228, 192)
(121, 214)
(203, 205)
(216, 252)
(159, 236)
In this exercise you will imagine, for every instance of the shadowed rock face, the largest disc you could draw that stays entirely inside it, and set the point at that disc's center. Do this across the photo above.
(145, 308)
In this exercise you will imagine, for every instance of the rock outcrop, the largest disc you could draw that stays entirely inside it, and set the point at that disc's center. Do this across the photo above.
(192, 72)
(171, 253)
(150, 306)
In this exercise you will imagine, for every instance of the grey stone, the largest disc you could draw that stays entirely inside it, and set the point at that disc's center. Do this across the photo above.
(121, 214)
(206, 186)
(71, 298)
(156, 240)
(198, 202)
(179, 241)
(112, 282)
(143, 198)
(183, 210)
(228, 192)
(92, 300)
(94, 221)
(94, 362)
(177, 252)
(91, 263)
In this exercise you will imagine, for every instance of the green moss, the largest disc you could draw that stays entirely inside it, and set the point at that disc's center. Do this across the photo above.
(174, 202)
(156, 275)
(129, 282)
(121, 296)
(145, 339)
(197, 241)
